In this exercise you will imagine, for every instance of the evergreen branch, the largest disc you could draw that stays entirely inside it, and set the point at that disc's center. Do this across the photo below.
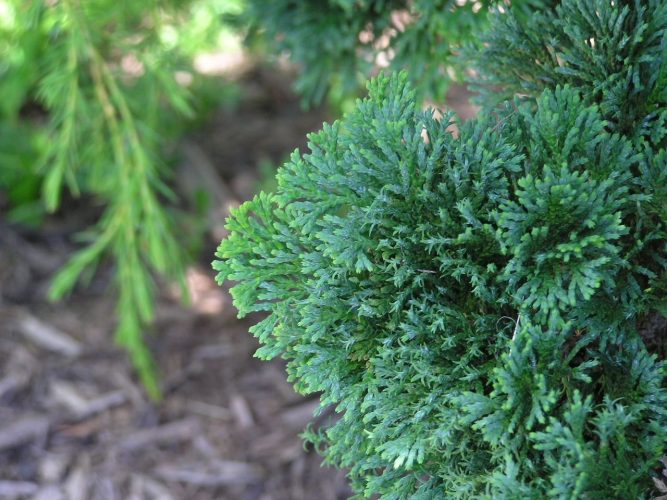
(134, 228)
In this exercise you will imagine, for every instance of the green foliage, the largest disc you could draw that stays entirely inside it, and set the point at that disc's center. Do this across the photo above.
(615, 53)
(101, 74)
(339, 43)
(615, 50)
(472, 305)
(563, 224)
(20, 144)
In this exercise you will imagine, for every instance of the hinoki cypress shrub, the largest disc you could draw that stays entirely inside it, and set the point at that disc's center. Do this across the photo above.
(485, 310)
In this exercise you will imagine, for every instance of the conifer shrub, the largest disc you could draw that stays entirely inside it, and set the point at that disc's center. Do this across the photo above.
(480, 308)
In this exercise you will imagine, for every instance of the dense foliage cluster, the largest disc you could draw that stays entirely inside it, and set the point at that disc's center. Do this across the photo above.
(475, 305)
(88, 98)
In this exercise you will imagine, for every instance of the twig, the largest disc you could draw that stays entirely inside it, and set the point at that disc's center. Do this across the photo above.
(211, 474)
(82, 407)
(10, 489)
(241, 412)
(180, 430)
(48, 337)
(23, 430)
(516, 326)
(209, 410)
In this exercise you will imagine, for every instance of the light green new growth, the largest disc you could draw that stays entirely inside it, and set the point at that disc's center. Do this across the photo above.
(104, 72)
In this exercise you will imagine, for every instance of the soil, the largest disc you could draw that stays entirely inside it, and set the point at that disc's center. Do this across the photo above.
(74, 421)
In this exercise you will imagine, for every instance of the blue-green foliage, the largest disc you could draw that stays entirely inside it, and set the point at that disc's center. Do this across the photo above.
(615, 53)
(612, 49)
(473, 304)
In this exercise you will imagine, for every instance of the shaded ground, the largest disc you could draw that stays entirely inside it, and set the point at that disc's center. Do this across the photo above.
(73, 421)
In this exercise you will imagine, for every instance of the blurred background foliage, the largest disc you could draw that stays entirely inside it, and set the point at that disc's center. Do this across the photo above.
(93, 93)
(339, 44)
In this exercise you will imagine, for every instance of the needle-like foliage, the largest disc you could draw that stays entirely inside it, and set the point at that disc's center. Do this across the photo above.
(101, 73)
